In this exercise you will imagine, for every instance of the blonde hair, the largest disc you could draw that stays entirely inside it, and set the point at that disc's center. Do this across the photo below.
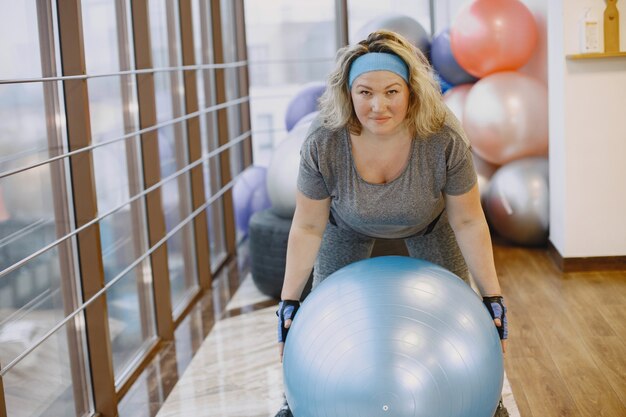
(426, 111)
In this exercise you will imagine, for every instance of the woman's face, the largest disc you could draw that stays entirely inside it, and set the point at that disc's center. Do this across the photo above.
(381, 100)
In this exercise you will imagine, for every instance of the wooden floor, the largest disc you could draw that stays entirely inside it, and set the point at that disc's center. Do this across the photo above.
(567, 347)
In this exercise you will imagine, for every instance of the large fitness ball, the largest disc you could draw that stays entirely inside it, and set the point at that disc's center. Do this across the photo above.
(455, 99)
(506, 117)
(282, 174)
(484, 172)
(488, 36)
(303, 103)
(406, 26)
(444, 62)
(393, 336)
(250, 195)
(517, 204)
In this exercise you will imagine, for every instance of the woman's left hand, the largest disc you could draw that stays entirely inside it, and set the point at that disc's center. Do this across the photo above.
(497, 310)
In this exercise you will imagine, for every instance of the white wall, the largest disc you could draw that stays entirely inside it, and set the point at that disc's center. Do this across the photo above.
(537, 67)
(587, 105)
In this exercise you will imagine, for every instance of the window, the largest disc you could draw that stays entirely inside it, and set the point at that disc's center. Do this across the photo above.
(38, 276)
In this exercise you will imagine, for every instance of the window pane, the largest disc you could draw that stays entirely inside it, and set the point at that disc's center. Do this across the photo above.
(285, 31)
(32, 389)
(34, 212)
(182, 264)
(100, 36)
(22, 112)
(19, 40)
(123, 229)
(28, 203)
(215, 218)
(28, 292)
(208, 128)
(290, 43)
(131, 335)
(212, 184)
(175, 193)
(229, 40)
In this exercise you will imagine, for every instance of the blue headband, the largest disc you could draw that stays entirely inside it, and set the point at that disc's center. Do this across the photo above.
(378, 61)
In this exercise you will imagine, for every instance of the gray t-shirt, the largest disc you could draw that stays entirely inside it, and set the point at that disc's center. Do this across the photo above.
(403, 207)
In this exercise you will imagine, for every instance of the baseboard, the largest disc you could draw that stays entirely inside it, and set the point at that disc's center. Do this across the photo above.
(592, 263)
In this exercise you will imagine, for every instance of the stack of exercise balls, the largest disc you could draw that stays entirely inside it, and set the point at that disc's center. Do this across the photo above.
(503, 111)
(282, 172)
(269, 228)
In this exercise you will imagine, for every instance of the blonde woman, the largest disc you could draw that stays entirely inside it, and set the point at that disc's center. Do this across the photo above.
(386, 159)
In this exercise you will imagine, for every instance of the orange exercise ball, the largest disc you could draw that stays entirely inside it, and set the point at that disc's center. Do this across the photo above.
(488, 36)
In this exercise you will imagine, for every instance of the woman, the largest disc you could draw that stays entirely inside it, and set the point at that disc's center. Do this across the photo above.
(386, 159)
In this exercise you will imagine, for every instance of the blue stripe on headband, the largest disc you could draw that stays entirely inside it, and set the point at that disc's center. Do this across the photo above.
(378, 61)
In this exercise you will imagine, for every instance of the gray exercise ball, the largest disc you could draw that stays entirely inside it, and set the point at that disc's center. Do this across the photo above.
(406, 26)
(517, 203)
(282, 173)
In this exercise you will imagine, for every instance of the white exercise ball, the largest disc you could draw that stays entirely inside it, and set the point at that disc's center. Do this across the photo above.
(506, 117)
(282, 173)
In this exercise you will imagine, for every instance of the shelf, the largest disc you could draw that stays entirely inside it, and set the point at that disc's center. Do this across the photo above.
(596, 55)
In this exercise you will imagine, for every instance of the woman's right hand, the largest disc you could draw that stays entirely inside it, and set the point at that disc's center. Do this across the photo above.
(286, 312)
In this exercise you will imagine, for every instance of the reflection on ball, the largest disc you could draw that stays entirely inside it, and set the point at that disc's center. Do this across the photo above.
(393, 336)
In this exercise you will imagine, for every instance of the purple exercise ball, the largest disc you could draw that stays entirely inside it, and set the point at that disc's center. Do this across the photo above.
(444, 62)
(250, 195)
(304, 102)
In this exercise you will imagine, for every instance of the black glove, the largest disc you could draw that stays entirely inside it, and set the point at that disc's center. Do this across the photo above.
(497, 309)
(287, 310)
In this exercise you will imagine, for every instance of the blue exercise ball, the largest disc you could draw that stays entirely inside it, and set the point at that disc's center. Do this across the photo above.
(303, 103)
(443, 84)
(393, 336)
(250, 195)
(444, 62)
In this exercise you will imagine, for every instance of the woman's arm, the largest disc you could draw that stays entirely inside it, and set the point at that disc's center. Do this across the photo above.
(305, 238)
(467, 219)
